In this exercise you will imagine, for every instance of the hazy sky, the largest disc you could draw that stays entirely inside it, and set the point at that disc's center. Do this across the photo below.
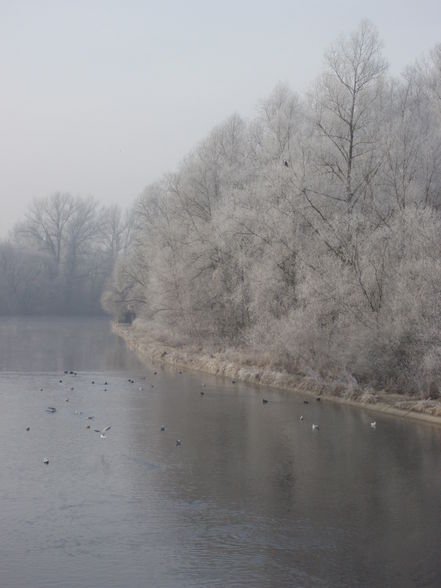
(101, 97)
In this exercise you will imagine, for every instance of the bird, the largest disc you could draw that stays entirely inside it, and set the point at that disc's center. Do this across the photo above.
(46, 460)
(318, 398)
(162, 427)
(202, 393)
(51, 409)
(28, 428)
(373, 424)
(87, 426)
(285, 163)
(61, 381)
(103, 432)
(306, 402)
(93, 381)
(264, 401)
(301, 418)
(178, 443)
(315, 428)
(66, 400)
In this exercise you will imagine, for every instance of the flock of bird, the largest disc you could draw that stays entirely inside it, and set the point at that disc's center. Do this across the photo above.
(102, 432)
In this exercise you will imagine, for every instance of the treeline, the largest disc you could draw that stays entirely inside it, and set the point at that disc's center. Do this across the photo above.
(311, 234)
(60, 256)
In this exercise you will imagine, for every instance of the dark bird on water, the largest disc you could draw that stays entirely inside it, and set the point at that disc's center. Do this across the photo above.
(285, 163)
(306, 402)
(178, 443)
(46, 460)
(51, 409)
(264, 401)
(162, 427)
(202, 393)
(318, 398)
(28, 428)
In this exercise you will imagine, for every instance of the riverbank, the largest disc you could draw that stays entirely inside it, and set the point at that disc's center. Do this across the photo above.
(242, 367)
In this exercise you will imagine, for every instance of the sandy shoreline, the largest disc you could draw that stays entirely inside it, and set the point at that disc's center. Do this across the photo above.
(220, 364)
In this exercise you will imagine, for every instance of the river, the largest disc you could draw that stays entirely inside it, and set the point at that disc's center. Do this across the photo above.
(252, 496)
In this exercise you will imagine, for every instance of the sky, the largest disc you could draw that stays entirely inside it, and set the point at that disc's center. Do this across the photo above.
(102, 97)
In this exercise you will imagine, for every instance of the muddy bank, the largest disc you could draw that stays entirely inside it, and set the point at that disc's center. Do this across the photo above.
(238, 366)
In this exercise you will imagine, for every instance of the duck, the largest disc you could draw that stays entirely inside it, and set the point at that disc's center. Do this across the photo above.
(178, 443)
(373, 424)
(315, 427)
(46, 460)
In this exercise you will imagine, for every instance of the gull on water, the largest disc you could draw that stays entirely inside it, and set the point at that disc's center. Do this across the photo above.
(315, 428)
(102, 432)
(373, 424)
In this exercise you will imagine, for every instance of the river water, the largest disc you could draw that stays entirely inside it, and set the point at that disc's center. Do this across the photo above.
(252, 497)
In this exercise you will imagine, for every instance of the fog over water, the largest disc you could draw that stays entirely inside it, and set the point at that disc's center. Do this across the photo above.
(102, 98)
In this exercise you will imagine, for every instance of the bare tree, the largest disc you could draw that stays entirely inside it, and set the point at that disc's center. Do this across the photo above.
(346, 105)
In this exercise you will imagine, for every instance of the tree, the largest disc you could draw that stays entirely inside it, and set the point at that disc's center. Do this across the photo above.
(346, 108)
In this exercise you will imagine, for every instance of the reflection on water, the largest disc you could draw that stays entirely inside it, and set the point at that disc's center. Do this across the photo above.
(253, 497)
(56, 344)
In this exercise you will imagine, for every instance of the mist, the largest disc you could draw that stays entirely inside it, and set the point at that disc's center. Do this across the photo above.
(101, 99)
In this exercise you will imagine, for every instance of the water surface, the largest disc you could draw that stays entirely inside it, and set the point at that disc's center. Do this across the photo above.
(253, 497)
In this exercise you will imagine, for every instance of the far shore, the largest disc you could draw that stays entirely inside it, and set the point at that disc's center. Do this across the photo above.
(235, 367)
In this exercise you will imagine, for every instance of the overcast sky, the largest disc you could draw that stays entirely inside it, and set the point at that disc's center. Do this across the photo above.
(101, 97)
